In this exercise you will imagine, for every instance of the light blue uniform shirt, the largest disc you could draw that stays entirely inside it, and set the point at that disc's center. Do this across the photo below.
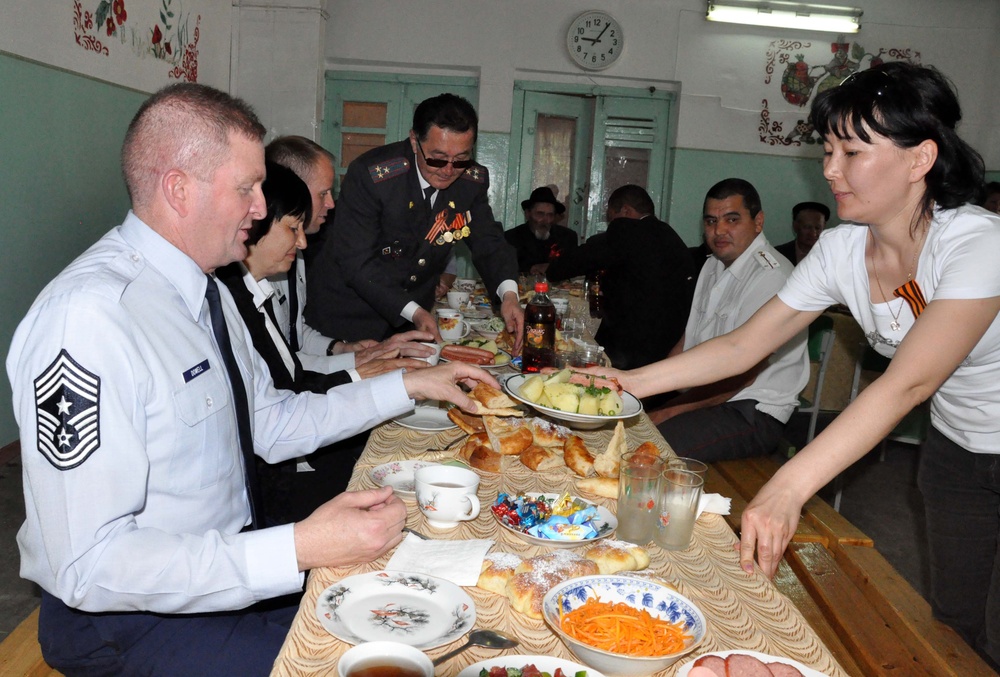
(133, 478)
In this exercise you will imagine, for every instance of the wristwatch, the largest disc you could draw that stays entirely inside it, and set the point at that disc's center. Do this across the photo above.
(333, 343)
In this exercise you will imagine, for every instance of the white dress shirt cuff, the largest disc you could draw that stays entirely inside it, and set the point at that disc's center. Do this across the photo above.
(390, 395)
(506, 286)
(272, 565)
(355, 376)
(409, 310)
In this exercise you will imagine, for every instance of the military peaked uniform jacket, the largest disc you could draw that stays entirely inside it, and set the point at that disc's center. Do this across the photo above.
(387, 248)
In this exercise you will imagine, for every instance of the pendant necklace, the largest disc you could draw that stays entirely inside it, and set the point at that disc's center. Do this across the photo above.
(894, 325)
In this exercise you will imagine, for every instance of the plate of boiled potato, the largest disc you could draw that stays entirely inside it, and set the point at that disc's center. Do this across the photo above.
(580, 400)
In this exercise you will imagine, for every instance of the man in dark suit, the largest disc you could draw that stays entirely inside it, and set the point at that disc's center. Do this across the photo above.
(539, 240)
(648, 280)
(808, 221)
(401, 210)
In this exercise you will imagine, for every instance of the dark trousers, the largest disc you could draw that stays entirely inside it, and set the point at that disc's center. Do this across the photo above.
(961, 493)
(240, 643)
(726, 431)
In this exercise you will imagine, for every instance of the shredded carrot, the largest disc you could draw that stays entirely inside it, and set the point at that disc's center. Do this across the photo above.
(622, 629)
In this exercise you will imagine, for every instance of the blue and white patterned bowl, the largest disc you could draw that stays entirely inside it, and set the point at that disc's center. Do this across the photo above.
(660, 601)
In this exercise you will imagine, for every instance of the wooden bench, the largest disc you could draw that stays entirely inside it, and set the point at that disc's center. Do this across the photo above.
(870, 618)
(20, 653)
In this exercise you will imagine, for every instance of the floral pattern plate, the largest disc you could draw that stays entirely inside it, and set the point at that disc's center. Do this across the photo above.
(399, 476)
(422, 611)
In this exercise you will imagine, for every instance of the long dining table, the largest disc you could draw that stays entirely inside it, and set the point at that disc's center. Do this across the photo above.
(743, 610)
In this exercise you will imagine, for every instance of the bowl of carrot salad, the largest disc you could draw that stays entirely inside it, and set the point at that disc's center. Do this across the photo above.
(622, 625)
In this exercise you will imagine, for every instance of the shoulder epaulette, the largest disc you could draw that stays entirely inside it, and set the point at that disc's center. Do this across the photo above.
(388, 169)
(477, 173)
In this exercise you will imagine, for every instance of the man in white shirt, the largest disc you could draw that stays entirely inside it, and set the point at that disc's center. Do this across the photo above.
(744, 415)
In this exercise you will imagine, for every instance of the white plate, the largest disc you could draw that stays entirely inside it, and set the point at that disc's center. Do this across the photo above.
(399, 476)
(632, 407)
(807, 672)
(606, 524)
(544, 663)
(426, 417)
(422, 611)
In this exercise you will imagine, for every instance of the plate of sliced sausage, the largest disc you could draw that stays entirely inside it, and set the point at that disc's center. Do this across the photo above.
(480, 352)
(746, 664)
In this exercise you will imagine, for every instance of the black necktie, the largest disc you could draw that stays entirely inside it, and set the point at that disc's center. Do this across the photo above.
(293, 308)
(240, 403)
(428, 193)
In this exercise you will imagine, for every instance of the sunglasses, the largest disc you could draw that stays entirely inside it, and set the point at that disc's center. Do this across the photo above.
(874, 81)
(438, 163)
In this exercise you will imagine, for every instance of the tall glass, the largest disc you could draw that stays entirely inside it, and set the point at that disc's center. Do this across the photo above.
(638, 489)
(677, 508)
(691, 464)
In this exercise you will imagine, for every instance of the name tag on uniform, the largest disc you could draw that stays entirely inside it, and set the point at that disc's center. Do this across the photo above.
(196, 371)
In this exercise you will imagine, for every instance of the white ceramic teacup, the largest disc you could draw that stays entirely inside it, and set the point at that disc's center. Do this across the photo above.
(451, 324)
(434, 357)
(446, 495)
(458, 299)
(374, 654)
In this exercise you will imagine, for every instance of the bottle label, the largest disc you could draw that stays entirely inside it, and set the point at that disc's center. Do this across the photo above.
(534, 335)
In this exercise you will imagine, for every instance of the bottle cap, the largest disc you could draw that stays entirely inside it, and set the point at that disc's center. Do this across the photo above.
(541, 287)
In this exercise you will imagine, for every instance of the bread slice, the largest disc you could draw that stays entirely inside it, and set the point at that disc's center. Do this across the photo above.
(605, 487)
(468, 423)
(491, 397)
(608, 463)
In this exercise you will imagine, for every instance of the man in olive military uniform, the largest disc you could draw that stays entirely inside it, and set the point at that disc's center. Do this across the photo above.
(401, 210)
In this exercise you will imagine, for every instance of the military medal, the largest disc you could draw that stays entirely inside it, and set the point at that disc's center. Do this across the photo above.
(465, 231)
(448, 237)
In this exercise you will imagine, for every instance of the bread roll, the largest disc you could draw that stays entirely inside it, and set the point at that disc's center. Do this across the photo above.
(649, 449)
(606, 487)
(536, 576)
(548, 434)
(539, 458)
(577, 457)
(608, 463)
(479, 454)
(498, 569)
(612, 556)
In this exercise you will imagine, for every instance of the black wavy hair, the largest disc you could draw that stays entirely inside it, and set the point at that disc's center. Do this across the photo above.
(447, 111)
(907, 104)
(733, 186)
(286, 195)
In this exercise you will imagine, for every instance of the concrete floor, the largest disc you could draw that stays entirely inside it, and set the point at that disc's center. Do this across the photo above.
(880, 498)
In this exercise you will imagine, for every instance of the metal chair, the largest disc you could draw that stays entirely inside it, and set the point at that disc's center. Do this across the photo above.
(912, 429)
(820, 345)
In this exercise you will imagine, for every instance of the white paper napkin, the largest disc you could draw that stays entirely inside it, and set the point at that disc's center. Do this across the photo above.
(457, 561)
(714, 503)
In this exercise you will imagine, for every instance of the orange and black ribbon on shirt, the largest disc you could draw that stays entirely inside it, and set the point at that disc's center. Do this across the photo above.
(914, 297)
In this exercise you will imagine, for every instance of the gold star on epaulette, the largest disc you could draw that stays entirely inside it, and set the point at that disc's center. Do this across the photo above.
(381, 171)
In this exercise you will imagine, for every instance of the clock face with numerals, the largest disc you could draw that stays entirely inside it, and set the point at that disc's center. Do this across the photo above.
(595, 40)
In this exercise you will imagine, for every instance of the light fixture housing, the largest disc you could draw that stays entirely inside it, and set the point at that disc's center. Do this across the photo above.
(779, 14)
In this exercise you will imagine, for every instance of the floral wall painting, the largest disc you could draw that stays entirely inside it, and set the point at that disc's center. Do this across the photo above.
(159, 30)
(803, 78)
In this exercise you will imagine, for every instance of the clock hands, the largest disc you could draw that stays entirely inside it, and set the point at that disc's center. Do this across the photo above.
(594, 41)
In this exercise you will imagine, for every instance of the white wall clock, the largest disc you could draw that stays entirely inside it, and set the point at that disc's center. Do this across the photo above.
(595, 40)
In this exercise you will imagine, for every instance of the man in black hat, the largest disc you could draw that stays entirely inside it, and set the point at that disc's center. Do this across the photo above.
(539, 241)
(808, 221)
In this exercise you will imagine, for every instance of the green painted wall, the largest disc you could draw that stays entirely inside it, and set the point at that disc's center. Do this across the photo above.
(781, 182)
(60, 183)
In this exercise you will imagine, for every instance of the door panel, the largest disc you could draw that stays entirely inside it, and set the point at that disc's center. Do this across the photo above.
(555, 146)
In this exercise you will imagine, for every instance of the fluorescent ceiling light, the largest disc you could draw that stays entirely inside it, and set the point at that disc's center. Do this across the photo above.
(780, 14)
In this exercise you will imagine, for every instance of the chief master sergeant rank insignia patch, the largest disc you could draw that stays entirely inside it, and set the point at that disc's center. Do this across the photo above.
(67, 398)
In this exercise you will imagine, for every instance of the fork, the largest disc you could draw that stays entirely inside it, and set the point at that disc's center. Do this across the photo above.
(450, 444)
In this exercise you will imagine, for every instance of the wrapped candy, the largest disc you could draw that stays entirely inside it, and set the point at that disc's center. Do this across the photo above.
(563, 518)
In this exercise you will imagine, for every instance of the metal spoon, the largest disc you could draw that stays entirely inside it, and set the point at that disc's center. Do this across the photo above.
(490, 639)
